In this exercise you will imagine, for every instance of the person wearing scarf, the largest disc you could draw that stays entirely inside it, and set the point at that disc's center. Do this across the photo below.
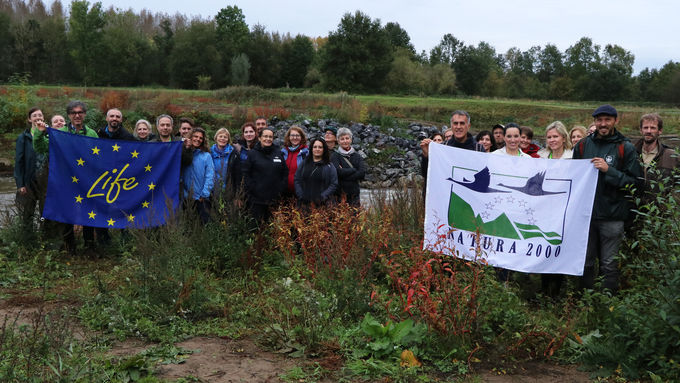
(294, 152)
(350, 167)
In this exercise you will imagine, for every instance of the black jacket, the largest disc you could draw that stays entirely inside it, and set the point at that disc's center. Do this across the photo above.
(612, 202)
(265, 174)
(25, 160)
(120, 134)
(351, 169)
(315, 181)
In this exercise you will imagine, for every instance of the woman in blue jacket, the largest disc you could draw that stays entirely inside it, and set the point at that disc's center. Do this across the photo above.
(199, 177)
(226, 162)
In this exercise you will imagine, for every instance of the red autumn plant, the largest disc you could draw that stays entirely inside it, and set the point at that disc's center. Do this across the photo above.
(436, 288)
(114, 99)
(329, 240)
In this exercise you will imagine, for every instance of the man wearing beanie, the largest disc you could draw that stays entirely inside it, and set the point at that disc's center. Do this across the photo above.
(615, 158)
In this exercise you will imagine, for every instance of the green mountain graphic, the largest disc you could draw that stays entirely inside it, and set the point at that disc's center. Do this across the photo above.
(461, 216)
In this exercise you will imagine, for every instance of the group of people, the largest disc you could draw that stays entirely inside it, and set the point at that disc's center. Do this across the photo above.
(322, 170)
(312, 172)
(621, 165)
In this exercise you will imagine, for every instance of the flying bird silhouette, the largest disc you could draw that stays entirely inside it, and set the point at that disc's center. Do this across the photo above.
(480, 183)
(534, 186)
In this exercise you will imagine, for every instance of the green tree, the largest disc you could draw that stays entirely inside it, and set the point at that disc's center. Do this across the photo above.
(195, 53)
(85, 38)
(446, 51)
(127, 50)
(549, 64)
(399, 38)
(56, 66)
(405, 76)
(440, 79)
(264, 51)
(582, 60)
(240, 69)
(7, 41)
(473, 65)
(232, 32)
(298, 55)
(357, 56)
(164, 41)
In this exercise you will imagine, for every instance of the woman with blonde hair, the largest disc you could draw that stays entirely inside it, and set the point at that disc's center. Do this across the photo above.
(225, 161)
(142, 131)
(576, 134)
(557, 143)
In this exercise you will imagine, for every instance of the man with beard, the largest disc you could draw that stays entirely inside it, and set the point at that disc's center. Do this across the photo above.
(652, 152)
(612, 154)
(114, 127)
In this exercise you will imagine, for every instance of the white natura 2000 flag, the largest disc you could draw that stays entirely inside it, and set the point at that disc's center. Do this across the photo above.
(532, 214)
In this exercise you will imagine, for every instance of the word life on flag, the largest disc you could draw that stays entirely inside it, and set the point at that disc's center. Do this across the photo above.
(111, 183)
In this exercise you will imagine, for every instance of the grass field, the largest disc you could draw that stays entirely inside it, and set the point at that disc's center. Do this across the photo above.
(337, 295)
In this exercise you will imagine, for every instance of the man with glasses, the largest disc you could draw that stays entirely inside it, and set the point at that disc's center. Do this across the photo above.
(76, 111)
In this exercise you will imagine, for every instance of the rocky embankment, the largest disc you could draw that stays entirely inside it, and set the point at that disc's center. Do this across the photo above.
(392, 154)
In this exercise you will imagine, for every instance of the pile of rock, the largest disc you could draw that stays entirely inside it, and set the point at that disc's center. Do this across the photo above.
(401, 160)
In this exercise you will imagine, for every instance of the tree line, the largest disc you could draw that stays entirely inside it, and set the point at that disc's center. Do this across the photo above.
(93, 46)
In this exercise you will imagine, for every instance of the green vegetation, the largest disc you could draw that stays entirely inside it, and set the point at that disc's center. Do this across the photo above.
(72, 43)
(349, 294)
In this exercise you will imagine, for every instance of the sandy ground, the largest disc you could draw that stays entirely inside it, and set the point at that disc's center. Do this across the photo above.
(221, 360)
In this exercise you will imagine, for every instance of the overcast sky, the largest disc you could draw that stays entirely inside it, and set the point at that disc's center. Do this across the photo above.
(649, 29)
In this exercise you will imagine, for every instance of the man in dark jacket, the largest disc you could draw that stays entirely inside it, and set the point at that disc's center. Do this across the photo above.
(652, 152)
(616, 159)
(113, 130)
(460, 126)
(114, 127)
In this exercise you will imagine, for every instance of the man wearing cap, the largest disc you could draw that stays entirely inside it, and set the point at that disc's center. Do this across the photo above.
(615, 158)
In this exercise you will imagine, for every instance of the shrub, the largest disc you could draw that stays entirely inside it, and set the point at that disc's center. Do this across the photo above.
(246, 94)
(114, 99)
(14, 107)
(203, 82)
(240, 70)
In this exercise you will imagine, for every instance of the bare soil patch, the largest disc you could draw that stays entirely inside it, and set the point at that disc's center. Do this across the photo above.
(223, 360)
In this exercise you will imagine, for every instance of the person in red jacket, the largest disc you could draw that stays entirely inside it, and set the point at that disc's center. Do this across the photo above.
(294, 152)
(525, 144)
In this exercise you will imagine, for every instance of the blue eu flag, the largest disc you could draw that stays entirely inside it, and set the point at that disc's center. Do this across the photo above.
(111, 183)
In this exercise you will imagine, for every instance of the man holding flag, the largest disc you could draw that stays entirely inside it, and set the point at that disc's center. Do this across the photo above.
(616, 160)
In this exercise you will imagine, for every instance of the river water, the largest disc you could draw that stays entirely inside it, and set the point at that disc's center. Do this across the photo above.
(8, 191)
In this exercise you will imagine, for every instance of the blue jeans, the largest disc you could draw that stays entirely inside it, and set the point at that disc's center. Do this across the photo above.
(604, 240)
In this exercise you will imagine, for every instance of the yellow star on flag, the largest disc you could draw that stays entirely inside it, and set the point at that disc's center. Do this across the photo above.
(131, 218)
(81, 162)
(92, 214)
(147, 168)
(145, 204)
(152, 186)
(115, 147)
(74, 179)
(110, 221)
(95, 150)
(134, 154)
(79, 199)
